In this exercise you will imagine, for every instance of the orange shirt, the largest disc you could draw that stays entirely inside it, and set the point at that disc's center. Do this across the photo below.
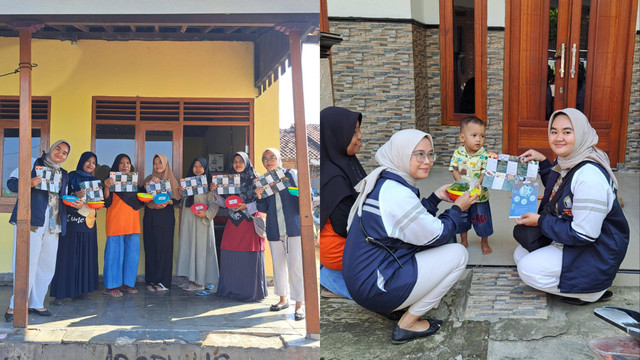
(331, 247)
(121, 218)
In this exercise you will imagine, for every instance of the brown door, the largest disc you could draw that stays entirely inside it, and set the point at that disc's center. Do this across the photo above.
(582, 59)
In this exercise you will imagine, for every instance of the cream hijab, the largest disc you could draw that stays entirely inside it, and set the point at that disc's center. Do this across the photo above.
(276, 152)
(585, 145)
(393, 156)
(166, 174)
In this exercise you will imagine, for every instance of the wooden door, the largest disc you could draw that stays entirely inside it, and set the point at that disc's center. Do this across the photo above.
(568, 53)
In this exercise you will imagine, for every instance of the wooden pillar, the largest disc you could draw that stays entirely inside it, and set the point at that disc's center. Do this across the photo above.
(23, 223)
(304, 185)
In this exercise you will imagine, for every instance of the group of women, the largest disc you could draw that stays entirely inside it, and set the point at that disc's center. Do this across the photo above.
(386, 248)
(64, 248)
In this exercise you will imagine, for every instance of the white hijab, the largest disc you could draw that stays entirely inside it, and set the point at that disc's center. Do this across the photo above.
(585, 146)
(276, 152)
(393, 156)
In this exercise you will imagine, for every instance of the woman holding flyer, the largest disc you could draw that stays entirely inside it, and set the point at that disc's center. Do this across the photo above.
(77, 262)
(122, 250)
(48, 221)
(158, 225)
(197, 257)
(283, 233)
(242, 275)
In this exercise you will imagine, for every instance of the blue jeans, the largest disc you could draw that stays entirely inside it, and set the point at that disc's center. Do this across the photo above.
(121, 255)
(333, 281)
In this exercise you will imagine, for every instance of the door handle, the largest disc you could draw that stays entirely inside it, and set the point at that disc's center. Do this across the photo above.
(563, 47)
(573, 61)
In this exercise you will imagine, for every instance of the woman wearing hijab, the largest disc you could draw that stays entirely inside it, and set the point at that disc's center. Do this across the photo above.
(588, 229)
(397, 253)
(242, 275)
(77, 262)
(48, 221)
(283, 233)
(197, 257)
(158, 225)
(122, 249)
(340, 171)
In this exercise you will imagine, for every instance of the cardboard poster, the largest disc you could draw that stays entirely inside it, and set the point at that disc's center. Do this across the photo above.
(51, 179)
(124, 181)
(194, 185)
(227, 184)
(272, 182)
(93, 191)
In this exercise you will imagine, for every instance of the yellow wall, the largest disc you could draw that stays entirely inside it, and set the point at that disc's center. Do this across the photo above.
(72, 74)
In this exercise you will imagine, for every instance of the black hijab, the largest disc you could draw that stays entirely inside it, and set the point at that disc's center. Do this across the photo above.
(339, 172)
(247, 188)
(189, 200)
(130, 198)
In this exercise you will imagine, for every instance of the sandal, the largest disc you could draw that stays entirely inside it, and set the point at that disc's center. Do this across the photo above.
(161, 287)
(203, 293)
(193, 287)
(115, 292)
(129, 289)
(151, 287)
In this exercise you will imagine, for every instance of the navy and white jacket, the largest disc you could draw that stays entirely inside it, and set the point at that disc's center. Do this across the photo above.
(290, 207)
(394, 215)
(40, 198)
(590, 225)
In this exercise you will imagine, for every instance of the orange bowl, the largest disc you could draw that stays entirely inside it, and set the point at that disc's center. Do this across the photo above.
(454, 194)
(145, 197)
(95, 204)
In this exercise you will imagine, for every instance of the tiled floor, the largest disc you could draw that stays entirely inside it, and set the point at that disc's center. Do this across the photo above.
(499, 293)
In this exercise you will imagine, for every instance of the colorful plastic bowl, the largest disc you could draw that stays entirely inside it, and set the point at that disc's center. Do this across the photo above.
(95, 204)
(233, 201)
(198, 207)
(293, 191)
(69, 199)
(161, 198)
(454, 194)
(145, 197)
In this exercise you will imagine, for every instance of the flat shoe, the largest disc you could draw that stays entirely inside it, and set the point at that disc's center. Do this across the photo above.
(276, 307)
(574, 301)
(401, 336)
(203, 293)
(8, 317)
(298, 316)
(40, 312)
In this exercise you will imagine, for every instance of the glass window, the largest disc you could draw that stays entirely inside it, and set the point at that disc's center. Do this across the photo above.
(112, 140)
(157, 142)
(10, 155)
(215, 143)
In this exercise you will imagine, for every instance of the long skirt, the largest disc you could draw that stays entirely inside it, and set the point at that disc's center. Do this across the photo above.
(158, 226)
(76, 265)
(242, 275)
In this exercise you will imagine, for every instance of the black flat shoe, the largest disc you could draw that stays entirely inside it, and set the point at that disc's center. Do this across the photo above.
(8, 317)
(573, 301)
(279, 307)
(298, 316)
(40, 312)
(401, 336)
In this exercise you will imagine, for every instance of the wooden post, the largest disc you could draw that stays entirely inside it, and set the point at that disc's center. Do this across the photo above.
(23, 224)
(304, 185)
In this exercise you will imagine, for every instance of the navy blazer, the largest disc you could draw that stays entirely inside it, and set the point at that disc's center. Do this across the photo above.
(290, 207)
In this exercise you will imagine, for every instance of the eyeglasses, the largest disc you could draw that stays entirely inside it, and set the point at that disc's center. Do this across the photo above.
(421, 156)
(265, 159)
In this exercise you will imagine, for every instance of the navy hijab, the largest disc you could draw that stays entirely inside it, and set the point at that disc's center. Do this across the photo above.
(78, 176)
(339, 172)
(189, 200)
(130, 198)
(247, 188)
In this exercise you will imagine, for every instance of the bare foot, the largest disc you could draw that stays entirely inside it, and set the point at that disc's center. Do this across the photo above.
(463, 240)
(486, 249)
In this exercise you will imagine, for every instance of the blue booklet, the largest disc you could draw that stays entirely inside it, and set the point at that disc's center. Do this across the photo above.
(524, 199)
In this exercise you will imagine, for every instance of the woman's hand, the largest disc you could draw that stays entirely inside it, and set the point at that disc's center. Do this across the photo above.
(35, 181)
(108, 182)
(465, 200)
(528, 219)
(442, 193)
(80, 194)
(201, 214)
(259, 191)
(533, 155)
(241, 207)
(78, 204)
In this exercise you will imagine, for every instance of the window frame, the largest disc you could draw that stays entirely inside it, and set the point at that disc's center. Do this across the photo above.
(8, 203)
(177, 127)
(449, 116)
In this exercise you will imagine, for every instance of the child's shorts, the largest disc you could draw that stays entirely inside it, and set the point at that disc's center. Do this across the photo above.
(478, 214)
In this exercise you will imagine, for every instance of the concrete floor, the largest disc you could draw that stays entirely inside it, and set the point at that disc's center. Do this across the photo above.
(164, 325)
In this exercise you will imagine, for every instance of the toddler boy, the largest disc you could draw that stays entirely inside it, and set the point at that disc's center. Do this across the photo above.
(469, 161)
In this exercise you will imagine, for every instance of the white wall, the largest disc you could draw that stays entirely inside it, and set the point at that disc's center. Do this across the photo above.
(423, 11)
(13, 7)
